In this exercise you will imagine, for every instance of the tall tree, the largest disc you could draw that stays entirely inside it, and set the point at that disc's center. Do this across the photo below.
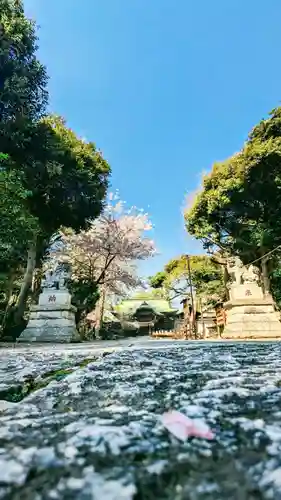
(206, 278)
(238, 208)
(23, 100)
(67, 179)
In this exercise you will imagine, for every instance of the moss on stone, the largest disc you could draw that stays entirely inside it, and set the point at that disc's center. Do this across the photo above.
(17, 393)
(58, 374)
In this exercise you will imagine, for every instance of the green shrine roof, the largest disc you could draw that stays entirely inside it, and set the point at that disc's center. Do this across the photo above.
(130, 306)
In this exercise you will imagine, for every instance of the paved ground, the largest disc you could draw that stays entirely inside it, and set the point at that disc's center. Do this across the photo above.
(83, 422)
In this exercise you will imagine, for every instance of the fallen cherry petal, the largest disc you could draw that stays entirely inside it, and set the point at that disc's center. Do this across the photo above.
(183, 427)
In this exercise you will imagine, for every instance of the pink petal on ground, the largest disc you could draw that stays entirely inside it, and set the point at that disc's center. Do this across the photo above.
(183, 427)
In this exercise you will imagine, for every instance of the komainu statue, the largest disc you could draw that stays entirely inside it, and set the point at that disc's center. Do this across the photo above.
(251, 274)
(235, 269)
(239, 273)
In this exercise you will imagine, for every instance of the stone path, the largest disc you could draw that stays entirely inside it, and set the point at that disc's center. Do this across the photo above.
(84, 422)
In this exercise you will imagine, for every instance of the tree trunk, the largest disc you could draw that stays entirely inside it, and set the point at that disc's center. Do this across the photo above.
(99, 313)
(102, 275)
(9, 297)
(225, 282)
(10, 288)
(265, 278)
(27, 281)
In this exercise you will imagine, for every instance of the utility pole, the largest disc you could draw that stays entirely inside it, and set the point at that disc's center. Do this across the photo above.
(202, 318)
(191, 294)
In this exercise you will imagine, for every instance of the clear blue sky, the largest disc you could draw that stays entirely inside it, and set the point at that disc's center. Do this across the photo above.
(163, 88)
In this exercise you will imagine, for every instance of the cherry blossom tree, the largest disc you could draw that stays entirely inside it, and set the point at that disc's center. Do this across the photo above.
(108, 250)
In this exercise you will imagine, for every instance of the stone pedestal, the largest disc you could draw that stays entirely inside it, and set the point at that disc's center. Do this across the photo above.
(52, 320)
(250, 315)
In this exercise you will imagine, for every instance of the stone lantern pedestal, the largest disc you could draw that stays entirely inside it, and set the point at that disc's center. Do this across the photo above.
(250, 314)
(52, 320)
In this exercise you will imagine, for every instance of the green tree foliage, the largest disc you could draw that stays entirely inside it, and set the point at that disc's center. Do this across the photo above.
(275, 280)
(17, 225)
(154, 293)
(23, 94)
(239, 206)
(67, 177)
(157, 281)
(206, 278)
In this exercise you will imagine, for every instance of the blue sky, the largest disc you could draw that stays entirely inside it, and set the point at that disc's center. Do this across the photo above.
(163, 88)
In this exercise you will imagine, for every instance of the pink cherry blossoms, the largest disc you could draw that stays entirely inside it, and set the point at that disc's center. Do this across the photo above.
(183, 427)
(107, 252)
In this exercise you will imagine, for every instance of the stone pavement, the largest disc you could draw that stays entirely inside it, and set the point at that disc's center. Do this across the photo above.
(83, 421)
